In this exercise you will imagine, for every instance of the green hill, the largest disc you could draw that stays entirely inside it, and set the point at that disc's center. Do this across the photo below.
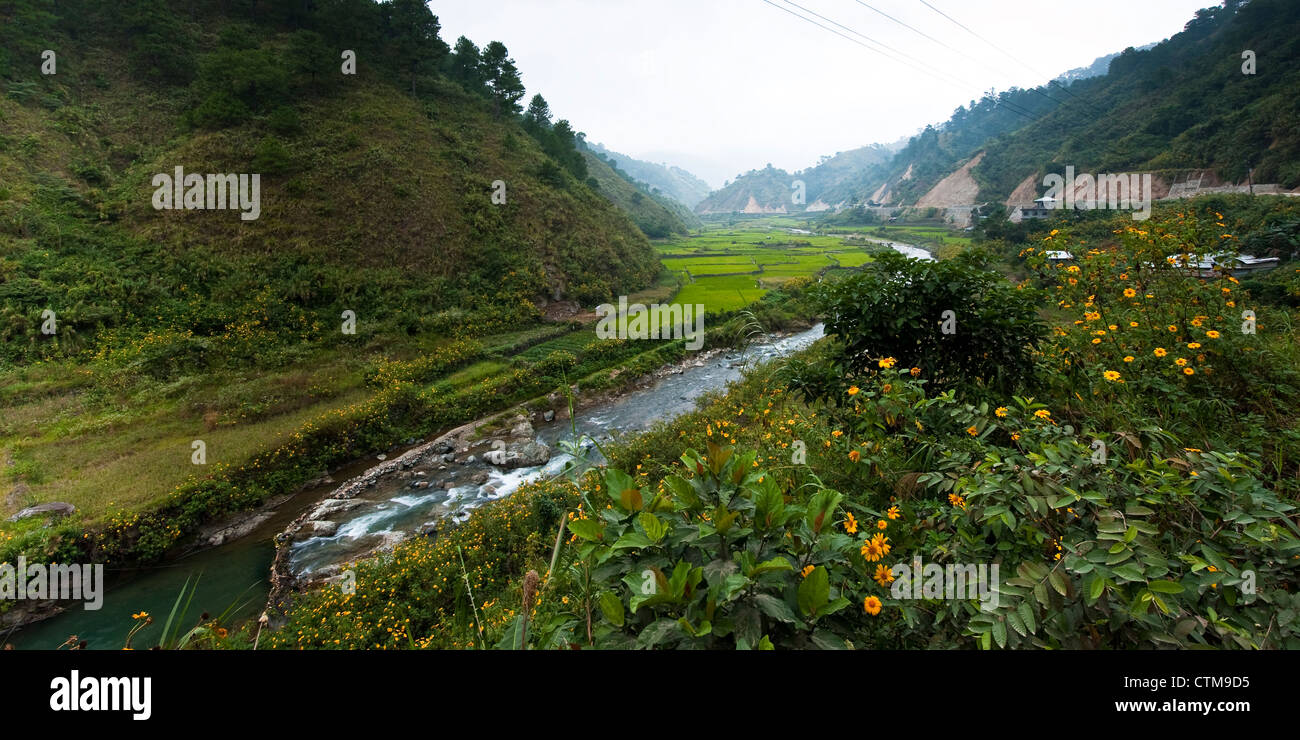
(372, 199)
(410, 198)
(674, 182)
(1181, 105)
(656, 216)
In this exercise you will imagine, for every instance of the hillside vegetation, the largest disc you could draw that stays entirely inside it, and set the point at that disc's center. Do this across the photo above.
(378, 267)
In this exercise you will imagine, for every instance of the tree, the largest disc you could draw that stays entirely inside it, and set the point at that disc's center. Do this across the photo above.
(413, 36)
(465, 65)
(538, 114)
(502, 76)
(310, 55)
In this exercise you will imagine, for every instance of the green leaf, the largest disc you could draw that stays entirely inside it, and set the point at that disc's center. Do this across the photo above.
(654, 528)
(587, 529)
(1058, 582)
(1166, 587)
(776, 564)
(1026, 613)
(1017, 624)
(1000, 633)
(612, 607)
(632, 540)
(775, 608)
(1129, 572)
(1095, 586)
(814, 591)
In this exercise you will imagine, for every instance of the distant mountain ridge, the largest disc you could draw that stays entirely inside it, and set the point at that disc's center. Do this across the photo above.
(835, 181)
(1183, 109)
(674, 182)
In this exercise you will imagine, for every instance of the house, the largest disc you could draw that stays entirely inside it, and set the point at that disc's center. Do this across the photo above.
(1214, 265)
(1042, 208)
(1058, 256)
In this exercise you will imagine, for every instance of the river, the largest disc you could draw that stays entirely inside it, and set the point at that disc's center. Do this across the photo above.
(237, 572)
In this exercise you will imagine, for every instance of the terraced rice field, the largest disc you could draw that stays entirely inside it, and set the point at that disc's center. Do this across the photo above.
(726, 269)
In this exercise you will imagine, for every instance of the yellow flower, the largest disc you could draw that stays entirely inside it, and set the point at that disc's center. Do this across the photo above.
(851, 524)
(1171, 327)
(1043, 414)
(1129, 293)
(837, 434)
(871, 552)
(881, 524)
(884, 575)
(893, 512)
(1188, 371)
(1212, 334)
(1160, 351)
(1194, 345)
(1000, 412)
(1111, 375)
(972, 431)
(916, 371)
(1128, 358)
(872, 605)
(882, 542)
(887, 362)
(854, 455)
(808, 570)
(853, 390)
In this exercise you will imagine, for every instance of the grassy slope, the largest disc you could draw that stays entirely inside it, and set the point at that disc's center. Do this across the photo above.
(651, 216)
(382, 207)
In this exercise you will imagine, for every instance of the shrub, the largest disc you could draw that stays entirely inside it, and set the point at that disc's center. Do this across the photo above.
(898, 308)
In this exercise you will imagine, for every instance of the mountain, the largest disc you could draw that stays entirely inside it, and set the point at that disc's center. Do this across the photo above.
(657, 216)
(1186, 110)
(833, 181)
(1099, 67)
(377, 189)
(672, 181)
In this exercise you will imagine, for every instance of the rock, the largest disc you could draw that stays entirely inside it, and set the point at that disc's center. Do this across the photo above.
(332, 506)
(479, 479)
(55, 509)
(381, 456)
(531, 455)
(317, 529)
(489, 490)
(420, 484)
(548, 416)
(389, 540)
(498, 457)
(238, 529)
(449, 457)
(522, 430)
(470, 460)
(442, 467)
(444, 447)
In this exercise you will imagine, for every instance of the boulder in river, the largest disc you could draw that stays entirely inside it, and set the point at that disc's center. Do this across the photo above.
(317, 529)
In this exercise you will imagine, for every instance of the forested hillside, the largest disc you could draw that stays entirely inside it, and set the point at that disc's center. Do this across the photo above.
(376, 187)
(674, 182)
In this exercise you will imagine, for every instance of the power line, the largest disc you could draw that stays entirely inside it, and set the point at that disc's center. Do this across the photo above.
(877, 51)
(880, 43)
(999, 49)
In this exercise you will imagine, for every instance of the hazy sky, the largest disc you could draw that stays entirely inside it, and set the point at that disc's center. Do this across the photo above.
(724, 86)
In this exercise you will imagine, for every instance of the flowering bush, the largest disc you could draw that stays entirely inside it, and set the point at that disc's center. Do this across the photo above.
(967, 324)
(723, 557)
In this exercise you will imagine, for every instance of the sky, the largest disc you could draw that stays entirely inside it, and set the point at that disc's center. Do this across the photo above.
(721, 87)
